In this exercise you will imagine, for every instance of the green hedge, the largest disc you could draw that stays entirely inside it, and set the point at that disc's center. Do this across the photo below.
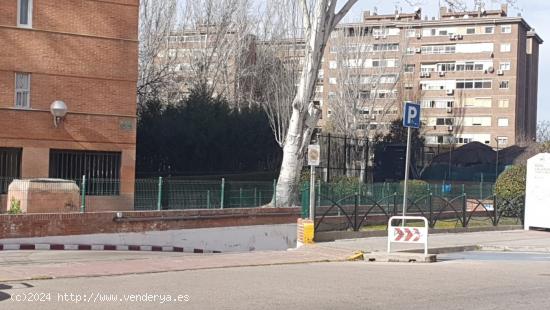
(511, 183)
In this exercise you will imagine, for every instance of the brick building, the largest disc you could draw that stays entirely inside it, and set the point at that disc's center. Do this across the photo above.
(475, 74)
(83, 53)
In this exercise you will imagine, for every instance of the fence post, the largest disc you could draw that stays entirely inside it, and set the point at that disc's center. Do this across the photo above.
(159, 195)
(355, 228)
(208, 199)
(319, 192)
(275, 193)
(222, 193)
(430, 205)
(241, 197)
(328, 159)
(495, 210)
(83, 195)
(394, 204)
(481, 187)
(464, 218)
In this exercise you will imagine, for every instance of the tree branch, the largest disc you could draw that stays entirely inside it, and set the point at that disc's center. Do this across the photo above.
(305, 12)
(343, 11)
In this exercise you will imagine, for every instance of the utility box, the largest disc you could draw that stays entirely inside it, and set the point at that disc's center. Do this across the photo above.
(537, 195)
(43, 196)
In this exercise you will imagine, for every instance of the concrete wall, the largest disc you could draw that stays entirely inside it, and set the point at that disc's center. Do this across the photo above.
(224, 239)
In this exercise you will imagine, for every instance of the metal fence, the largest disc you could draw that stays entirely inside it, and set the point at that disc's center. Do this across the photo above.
(344, 207)
(149, 194)
(170, 194)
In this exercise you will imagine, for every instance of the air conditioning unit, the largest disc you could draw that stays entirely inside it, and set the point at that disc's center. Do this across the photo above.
(450, 91)
(450, 128)
(418, 50)
(452, 37)
(449, 110)
(500, 72)
(422, 74)
(491, 69)
(460, 37)
(374, 85)
(376, 37)
(427, 74)
(442, 73)
(419, 36)
(373, 117)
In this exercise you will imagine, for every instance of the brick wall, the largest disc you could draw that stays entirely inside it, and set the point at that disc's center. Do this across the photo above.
(41, 225)
(83, 52)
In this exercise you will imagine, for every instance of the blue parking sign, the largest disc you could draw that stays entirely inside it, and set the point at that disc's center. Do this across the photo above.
(411, 115)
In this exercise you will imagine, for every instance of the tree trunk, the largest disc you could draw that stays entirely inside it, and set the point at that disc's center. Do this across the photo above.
(305, 115)
(293, 158)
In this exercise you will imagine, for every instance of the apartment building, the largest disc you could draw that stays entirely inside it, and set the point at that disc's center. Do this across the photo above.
(211, 55)
(83, 54)
(474, 73)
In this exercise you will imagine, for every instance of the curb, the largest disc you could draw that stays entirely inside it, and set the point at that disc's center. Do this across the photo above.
(504, 248)
(98, 247)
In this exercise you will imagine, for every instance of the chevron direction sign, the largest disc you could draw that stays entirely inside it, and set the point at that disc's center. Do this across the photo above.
(406, 234)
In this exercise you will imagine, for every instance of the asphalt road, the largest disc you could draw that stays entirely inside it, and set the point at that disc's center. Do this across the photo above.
(456, 283)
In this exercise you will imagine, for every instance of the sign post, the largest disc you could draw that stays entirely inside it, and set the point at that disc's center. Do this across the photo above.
(313, 160)
(411, 119)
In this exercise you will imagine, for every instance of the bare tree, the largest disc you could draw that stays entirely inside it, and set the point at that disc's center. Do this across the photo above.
(279, 56)
(319, 17)
(156, 21)
(214, 46)
(543, 132)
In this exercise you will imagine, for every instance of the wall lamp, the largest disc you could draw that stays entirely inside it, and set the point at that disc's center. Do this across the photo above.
(58, 109)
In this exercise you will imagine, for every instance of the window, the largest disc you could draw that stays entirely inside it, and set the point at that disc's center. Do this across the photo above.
(24, 16)
(506, 28)
(102, 169)
(489, 29)
(502, 122)
(22, 90)
(332, 64)
(470, 31)
(447, 121)
(411, 33)
(504, 66)
(410, 50)
(10, 167)
(505, 47)
(502, 140)
(332, 81)
(504, 84)
(474, 84)
(503, 103)
(409, 68)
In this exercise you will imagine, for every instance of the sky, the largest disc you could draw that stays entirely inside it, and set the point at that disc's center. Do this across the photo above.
(535, 12)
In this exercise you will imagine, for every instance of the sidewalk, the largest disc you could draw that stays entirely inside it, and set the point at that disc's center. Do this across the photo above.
(24, 265)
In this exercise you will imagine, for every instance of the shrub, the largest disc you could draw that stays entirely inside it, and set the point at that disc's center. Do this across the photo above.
(346, 186)
(15, 206)
(415, 188)
(511, 183)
